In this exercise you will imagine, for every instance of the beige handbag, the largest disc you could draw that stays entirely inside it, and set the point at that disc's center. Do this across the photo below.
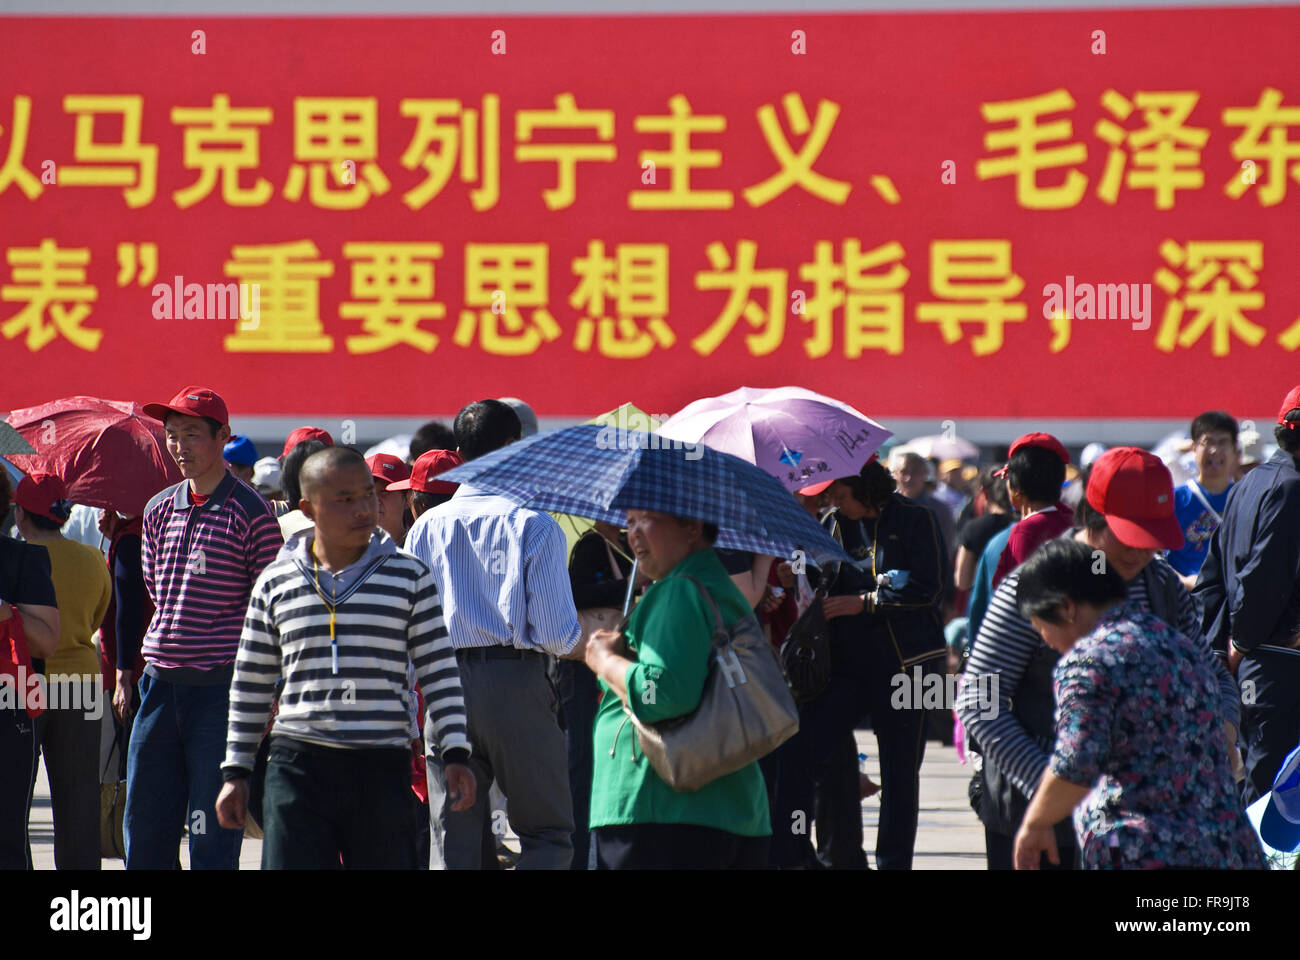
(745, 713)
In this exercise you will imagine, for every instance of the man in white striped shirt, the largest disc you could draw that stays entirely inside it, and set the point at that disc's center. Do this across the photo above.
(502, 574)
(337, 615)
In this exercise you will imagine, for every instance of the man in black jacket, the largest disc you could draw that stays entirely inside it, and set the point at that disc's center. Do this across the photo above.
(1249, 588)
(884, 619)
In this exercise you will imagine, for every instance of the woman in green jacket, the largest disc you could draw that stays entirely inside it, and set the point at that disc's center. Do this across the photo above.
(656, 670)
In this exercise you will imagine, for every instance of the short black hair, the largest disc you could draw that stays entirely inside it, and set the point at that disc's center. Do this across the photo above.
(422, 501)
(213, 424)
(434, 435)
(1211, 421)
(1037, 473)
(1066, 569)
(486, 426)
(292, 466)
(44, 523)
(995, 488)
(873, 485)
(1288, 439)
(315, 466)
(1088, 516)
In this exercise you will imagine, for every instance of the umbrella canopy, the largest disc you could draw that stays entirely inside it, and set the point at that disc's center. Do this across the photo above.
(938, 447)
(601, 472)
(798, 436)
(107, 452)
(11, 441)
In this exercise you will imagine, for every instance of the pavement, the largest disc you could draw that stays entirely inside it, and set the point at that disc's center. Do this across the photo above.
(948, 837)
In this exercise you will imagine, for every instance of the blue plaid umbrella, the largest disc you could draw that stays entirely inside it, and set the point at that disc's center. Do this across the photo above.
(602, 471)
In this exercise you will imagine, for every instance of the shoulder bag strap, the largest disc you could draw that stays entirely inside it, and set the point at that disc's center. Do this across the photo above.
(1196, 490)
(720, 634)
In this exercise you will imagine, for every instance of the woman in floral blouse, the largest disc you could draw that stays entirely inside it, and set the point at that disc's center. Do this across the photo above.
(1138, 756)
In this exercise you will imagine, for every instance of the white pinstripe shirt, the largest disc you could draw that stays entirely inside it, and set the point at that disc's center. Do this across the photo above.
(501, 573)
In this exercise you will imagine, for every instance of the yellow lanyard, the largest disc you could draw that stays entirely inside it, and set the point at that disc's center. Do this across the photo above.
(331, 607)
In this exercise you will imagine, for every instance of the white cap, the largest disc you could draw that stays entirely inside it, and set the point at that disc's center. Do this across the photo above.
(1090, 453)
(527, 419)
(266, 474)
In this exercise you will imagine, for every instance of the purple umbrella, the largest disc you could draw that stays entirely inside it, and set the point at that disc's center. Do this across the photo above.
(797, 436)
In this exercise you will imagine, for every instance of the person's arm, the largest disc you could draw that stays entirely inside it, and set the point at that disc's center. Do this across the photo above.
(34, 599)
(1211, 593)
(1270, 573)
(434, 662)
(552, 617)
(262, 544)
(148, 555)
(999, 657)
(926, 563)
(964, 570)
(129, 584)
(1054, 800)
(667, 678)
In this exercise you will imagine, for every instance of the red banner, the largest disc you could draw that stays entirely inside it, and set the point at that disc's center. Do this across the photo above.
(1082, 214)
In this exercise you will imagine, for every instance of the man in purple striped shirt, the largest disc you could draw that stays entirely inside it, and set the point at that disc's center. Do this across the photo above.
(206, 541)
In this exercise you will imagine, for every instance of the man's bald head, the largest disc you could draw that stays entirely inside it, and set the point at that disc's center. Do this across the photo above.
(317, 468)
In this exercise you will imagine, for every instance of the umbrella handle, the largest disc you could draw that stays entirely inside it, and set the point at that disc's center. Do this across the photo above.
(631, 586)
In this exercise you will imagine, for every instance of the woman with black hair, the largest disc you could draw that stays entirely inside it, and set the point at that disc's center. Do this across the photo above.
(884, 621)
(1138, 751)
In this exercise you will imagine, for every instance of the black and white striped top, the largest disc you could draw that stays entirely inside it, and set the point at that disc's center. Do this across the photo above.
(387, 614)
(1004, 647)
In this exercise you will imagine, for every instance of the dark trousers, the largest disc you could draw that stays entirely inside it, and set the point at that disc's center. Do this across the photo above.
(578, 694)
(19, 756)
(861, 685)
(1270, 715)
(325, 804)
(70, 744)
(673, 846)
(1000, 852)
(838, 807)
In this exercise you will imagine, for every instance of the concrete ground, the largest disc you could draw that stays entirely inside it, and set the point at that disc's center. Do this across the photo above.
(949, 837)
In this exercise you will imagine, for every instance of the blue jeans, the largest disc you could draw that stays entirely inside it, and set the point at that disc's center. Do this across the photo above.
(173, 776)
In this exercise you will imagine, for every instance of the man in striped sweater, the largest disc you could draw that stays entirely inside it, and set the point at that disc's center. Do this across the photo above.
(338, 615)
(205, 542)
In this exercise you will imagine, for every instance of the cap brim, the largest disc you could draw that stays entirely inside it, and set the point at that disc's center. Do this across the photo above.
(1001, 471)
(397, 485)
(159, 411)
(1150, 533)
(1277, 831)
(813, 489)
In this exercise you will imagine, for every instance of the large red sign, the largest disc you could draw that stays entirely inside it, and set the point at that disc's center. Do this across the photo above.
(1083, 214)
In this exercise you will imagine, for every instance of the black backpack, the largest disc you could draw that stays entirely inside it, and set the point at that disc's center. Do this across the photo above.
(806, 652)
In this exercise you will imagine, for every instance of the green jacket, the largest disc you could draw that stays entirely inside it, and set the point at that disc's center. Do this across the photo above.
(670, 634)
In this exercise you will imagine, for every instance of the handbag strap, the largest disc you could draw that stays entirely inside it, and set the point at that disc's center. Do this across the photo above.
(119, 749)
(720, 633)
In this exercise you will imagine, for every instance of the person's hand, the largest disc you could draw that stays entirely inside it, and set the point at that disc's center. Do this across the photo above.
(1189, 581)
(1235, 657)
(1031, 843)
(601, 644)
(770, 603)
(232, 803)
(843, 606)
(123, 699)
(1235, 763)
(462, 786)
(785, 575)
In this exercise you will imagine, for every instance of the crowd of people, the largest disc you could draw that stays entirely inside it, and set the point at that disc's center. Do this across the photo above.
(371, 667)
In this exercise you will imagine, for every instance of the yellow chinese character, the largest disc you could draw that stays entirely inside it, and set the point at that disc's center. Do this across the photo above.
(1216, 266)
(740, 281)
(127, 163)
(13, 170)
(977, 275)
(384, 275)
(1027, 160)
(565, 155)
(798, 168)
(288, 279)
(503, 279)
(47, 277)
(1281, 153)
(458, 140)
(338, 138)
(638, 283)
(1163, 151)
(873, 303)
(219, 140)
(679, 159)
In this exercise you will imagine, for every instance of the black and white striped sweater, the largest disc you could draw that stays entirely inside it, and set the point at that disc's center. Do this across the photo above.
(387, 614)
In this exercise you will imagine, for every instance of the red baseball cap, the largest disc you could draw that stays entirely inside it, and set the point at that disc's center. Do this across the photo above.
(192, 402)
(44, 495)
(427, 466)
(306, 433)
(1037, 439)
(813, 489)
(386, 469)
(1292, 402)
(1134, 490)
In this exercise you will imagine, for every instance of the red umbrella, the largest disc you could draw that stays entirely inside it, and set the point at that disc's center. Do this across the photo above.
(107, 452)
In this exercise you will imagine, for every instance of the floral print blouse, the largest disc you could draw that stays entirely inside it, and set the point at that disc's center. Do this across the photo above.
(1137, 717)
